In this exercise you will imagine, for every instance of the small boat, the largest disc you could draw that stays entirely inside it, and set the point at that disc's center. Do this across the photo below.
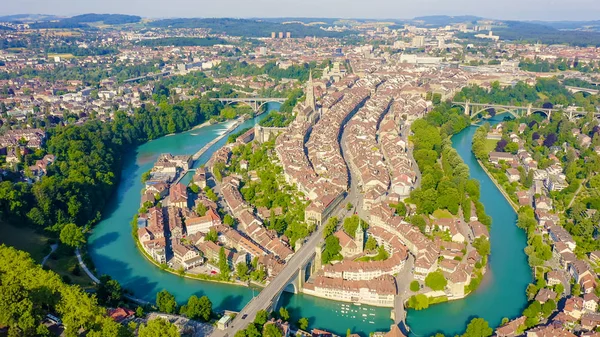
(357, 303)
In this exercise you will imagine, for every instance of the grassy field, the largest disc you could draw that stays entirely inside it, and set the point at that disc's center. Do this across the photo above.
(65, 264)
(490, 145)
(26, 239)
(62, 56)
(442, 214)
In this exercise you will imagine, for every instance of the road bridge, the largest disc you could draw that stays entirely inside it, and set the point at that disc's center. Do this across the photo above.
(590, 91)
(256, 103)
(473, 110)
(149, 76)
(293, 274)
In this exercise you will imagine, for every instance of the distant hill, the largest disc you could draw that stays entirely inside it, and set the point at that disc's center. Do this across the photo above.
(571, 25)
(247, 28)
(81, 21)
(533, 32)
(28, 17)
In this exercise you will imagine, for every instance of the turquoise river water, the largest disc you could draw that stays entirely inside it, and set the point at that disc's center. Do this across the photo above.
(114, 253)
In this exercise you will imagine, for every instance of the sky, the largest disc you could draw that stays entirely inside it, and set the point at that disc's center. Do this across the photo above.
(547, 10)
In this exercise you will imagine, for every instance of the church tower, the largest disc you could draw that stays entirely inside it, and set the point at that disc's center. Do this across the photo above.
(359, 237)
(310, 94)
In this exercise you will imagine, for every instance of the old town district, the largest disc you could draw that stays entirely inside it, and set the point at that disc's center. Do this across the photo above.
(346, 157)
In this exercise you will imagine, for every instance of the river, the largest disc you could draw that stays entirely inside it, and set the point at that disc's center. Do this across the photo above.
(114, 253)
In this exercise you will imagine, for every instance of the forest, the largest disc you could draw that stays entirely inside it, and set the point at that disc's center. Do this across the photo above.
(297, 71)
(88, 163)
(445, 182)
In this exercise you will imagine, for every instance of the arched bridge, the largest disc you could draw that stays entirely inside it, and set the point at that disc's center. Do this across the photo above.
(254, 102)
(293, 275)
(590, 91)
(474, 109)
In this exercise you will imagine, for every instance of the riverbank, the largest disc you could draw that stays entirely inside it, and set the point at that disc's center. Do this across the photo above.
(500, 188)
(508, 273)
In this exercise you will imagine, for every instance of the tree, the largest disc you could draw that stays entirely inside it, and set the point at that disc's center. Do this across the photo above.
(482, 245)
(576, 290)
(550, 140)
(165, 302)
(228, 220)
(109, 291)
(241, 269)
(330, 226)
(371, 243)
(303, 323)
(158, 328)
(272, 330)
(415, 286)
(436, 281)
(72, 236)
(201, 209)
(194, 188)
(512, 148)
(261, 317)
(418, 302)
(212, 235)
(139, 312)
(223, 264)
(478, 327)
(284, 314)
(198, 308)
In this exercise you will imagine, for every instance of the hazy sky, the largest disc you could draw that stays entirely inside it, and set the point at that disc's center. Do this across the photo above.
(498, 9)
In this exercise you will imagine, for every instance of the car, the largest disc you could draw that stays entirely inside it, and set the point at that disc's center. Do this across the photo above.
(244, 316)
(213, 272)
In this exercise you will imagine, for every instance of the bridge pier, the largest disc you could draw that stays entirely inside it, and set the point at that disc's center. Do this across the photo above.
(529, 109)
(468, 108)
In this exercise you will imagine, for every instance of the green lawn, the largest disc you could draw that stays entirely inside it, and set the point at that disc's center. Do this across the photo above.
(26, 239)
(442, 214)
(66, 265)
(490, 145)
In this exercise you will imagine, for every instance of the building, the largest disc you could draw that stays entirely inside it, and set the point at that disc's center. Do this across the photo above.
(418, 41)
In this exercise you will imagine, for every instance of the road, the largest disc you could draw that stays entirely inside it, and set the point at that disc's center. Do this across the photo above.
(275, 287)
(306, 253)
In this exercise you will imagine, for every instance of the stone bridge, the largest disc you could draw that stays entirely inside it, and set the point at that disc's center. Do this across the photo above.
(295, 272)
(590, 91)
(256, 103)
(473, 110)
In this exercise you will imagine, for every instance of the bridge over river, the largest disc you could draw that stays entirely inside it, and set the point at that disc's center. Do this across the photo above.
(256, 103)
(292, 273)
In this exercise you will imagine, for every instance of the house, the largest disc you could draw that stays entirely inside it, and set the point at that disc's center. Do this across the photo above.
(555, 277)
(512, 328)
(187, 257)
(497, 157)
(513, 175)
(478, 229)
(120, 314)
(590, 320)
(202, 224)
(574, 307)
(543, 202)
(590, 302)
(199, 178)
(178, 196)
(451, 226)
(544, 295)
